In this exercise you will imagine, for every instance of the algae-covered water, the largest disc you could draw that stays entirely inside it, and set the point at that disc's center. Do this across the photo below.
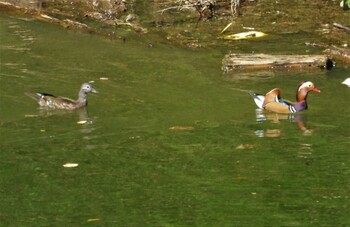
(169, 140)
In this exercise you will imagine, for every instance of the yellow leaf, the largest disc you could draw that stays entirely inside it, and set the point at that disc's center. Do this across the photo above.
(181, 128)
(93, 219)
(245, 35)
(245, 146)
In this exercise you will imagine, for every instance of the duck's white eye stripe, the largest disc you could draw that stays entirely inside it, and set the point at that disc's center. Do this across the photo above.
(306, 84)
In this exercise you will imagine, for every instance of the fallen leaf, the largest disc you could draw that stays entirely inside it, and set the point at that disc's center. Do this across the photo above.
(245, 146)
(181, 128)
(31, 115)
(70, 165)
(93, 219)
(245, 35)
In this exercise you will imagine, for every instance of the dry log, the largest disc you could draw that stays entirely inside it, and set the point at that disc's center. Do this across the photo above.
(265, 61)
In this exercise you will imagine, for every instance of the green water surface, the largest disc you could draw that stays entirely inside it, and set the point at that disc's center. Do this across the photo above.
(170, 140)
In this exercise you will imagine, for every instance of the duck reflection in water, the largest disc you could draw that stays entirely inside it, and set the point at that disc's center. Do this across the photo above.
(82, 114)
(277, 118)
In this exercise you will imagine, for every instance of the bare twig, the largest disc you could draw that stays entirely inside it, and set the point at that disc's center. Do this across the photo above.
(341, 27)
(202, 7)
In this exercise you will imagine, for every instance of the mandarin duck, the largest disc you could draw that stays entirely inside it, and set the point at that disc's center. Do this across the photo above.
(56, 102)
(273, 102)
(345, 4)
(346, 82)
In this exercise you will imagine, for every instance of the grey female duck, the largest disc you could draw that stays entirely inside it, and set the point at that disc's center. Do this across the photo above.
(56, 102)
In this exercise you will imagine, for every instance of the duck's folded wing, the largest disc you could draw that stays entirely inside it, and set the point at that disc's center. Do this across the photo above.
(279, 108)
(286, 102)
(272, 96)
(59, 102)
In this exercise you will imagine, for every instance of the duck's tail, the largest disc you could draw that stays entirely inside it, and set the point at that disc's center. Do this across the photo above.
(35, 96)
(258, 99)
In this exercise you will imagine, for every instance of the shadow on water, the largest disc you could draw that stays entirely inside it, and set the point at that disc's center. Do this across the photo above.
(82, 113)
(83, 119)
(49, 123)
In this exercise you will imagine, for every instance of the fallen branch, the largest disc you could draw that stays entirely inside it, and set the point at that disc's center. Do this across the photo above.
(180, 8)
(205, 8)
(339, 26)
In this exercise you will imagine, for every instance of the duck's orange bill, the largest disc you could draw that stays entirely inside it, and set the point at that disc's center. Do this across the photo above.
(316, 90)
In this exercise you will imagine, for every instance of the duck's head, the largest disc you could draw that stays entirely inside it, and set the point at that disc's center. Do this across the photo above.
(304, 88)
(87, 88)
(307, 86)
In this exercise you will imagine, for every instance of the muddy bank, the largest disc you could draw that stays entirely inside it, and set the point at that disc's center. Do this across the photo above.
(194, 26)
(93, 16)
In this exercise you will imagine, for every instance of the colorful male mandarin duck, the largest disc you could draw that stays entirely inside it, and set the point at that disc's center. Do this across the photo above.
(55, 102)
(272, 100)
